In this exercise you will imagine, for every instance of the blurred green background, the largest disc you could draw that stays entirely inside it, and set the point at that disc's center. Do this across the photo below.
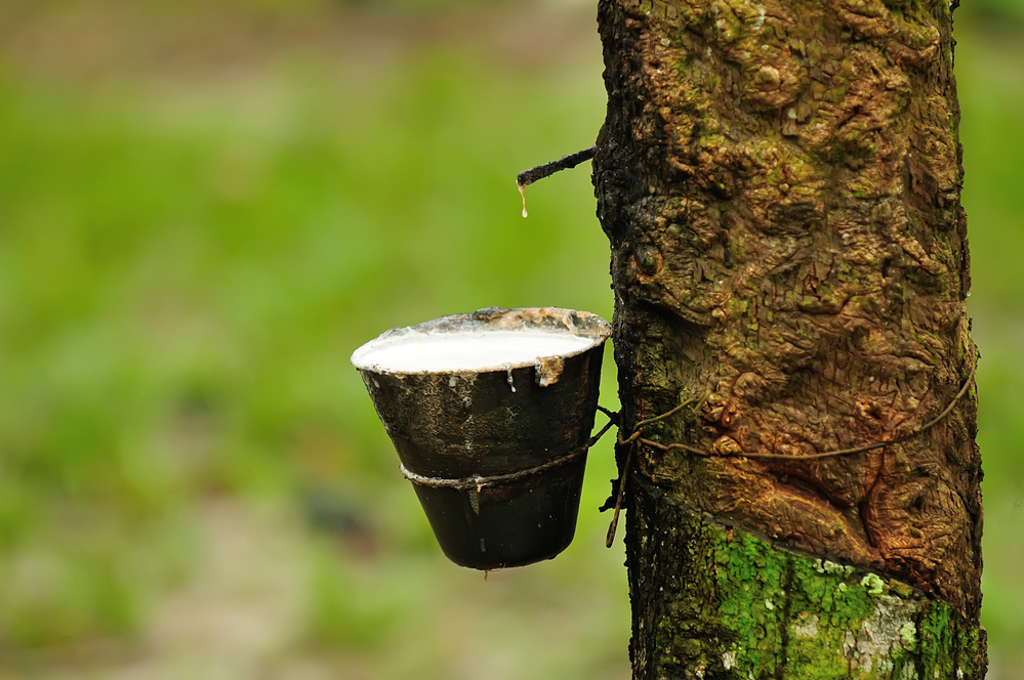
(206, 206)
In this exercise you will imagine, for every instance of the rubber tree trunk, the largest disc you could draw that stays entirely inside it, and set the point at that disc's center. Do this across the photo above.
(780, 183)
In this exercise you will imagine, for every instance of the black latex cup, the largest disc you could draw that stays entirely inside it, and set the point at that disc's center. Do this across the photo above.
(498, 471)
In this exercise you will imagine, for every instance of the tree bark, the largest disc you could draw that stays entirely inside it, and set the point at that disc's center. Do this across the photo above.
(780, 183)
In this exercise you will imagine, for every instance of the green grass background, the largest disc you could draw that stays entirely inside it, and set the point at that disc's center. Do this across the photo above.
(206, 206)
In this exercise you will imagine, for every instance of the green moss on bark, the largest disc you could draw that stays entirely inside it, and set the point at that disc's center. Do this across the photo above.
(733, 605)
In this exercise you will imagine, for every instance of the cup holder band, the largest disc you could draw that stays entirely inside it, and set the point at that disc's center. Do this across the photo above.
(477, 482)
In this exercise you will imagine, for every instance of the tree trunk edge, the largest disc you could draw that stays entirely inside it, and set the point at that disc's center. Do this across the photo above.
(677, 197)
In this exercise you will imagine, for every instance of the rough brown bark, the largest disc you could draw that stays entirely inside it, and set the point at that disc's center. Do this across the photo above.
(780, 183)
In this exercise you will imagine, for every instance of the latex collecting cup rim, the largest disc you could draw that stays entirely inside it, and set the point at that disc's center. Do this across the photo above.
(596, 331)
